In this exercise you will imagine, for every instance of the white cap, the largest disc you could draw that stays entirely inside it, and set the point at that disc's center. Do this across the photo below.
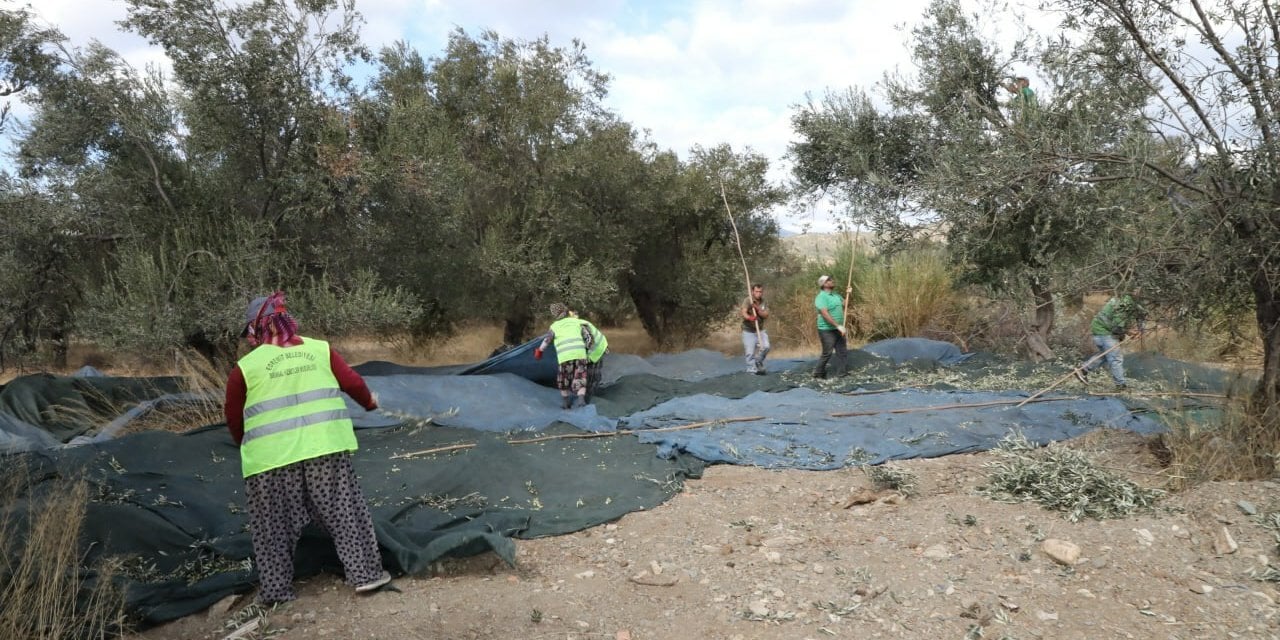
(823, 280)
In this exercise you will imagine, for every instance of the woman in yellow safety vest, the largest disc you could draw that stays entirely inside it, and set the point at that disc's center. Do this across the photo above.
(580, 350)
(285, 410)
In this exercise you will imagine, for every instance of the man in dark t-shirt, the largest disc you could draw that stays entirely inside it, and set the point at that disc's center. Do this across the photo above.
(755, 340)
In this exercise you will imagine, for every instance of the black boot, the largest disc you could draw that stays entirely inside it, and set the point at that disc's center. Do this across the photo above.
(566, 402)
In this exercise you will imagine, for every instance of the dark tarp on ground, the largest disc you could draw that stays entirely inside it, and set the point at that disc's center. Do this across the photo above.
(901, 350)
(798, 431)
(176, 502)
(67, 406)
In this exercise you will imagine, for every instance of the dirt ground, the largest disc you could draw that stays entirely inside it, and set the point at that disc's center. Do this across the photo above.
(750, 553)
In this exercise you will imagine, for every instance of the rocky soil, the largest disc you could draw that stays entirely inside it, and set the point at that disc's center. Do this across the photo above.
(750, 553)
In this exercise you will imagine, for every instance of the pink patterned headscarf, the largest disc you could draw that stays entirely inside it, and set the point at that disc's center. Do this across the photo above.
(270, 323)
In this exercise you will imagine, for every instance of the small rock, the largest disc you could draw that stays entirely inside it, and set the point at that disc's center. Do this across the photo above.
(753, 540)
(295, 618)
(819, 569)
(1202, 589)
(309, 617)
(1061, 551)
(655, 567)
(221, 607)
(1085, 593)
(937, 552)
(612, 527)
(893, 498)
(1145, 537)
(622, 635)
(1223, 543)
(582, 624)
(758, 608)
(726, 549)
(1247, 507)
(1009, 605)
(585, 574)
(648, 580)
(773, 557)
(1046, 616)
(1180, 533)
(1099, 563)
(862, 497)
(782, 542)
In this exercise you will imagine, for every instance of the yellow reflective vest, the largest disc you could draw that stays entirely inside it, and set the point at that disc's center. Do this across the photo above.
(568, 340)
(293, 408)
(599, 343)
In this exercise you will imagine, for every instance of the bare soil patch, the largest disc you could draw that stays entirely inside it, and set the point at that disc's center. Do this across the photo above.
(752, 553)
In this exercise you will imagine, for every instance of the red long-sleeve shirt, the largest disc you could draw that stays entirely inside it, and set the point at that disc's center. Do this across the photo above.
(348, 380)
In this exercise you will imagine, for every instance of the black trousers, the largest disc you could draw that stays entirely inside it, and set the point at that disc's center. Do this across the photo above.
(832, 343)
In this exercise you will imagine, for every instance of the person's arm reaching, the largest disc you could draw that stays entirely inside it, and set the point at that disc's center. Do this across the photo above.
(546, 342)
(350, 382)
(233, 405)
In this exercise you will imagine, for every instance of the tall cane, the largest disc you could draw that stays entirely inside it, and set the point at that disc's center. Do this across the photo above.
(737, 240)
(848, 287)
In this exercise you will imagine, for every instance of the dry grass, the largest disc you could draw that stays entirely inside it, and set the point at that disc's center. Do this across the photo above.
(1238, 445)
(41, 595)
(199, 378)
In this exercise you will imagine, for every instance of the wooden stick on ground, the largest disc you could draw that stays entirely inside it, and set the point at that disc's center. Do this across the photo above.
(623, 432)
(1068, 375)
(578, 436)
(940, 407)
(452, 447)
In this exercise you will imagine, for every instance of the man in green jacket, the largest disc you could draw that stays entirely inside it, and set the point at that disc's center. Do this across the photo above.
(1119, 318)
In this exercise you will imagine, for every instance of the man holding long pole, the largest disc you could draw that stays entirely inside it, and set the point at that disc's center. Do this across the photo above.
(830, 307)
(755, 340)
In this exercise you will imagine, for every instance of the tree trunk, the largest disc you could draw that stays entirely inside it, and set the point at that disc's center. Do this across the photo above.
(1042, 324)
(655, 314)
(1266, 295)
(516, 328)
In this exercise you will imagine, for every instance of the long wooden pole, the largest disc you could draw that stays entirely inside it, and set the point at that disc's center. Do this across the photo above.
(576, 436)
(1069, 374)
(848, 287)
(737, 240)
(941, 407)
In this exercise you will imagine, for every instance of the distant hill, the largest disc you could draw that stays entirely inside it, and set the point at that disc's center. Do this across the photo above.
(821, 247)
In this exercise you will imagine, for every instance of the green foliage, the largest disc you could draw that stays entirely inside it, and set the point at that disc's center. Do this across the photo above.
(906, 292)
(480, 184)
(1063, 479)
(1205, 178)
(362, 305)
(686, 267)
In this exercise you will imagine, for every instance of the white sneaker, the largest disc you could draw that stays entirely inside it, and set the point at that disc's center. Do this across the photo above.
(376, 584)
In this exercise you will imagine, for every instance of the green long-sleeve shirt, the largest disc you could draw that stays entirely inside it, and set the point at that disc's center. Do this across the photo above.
(1118, 316)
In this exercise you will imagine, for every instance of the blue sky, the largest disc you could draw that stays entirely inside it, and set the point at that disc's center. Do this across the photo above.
(694, 72)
